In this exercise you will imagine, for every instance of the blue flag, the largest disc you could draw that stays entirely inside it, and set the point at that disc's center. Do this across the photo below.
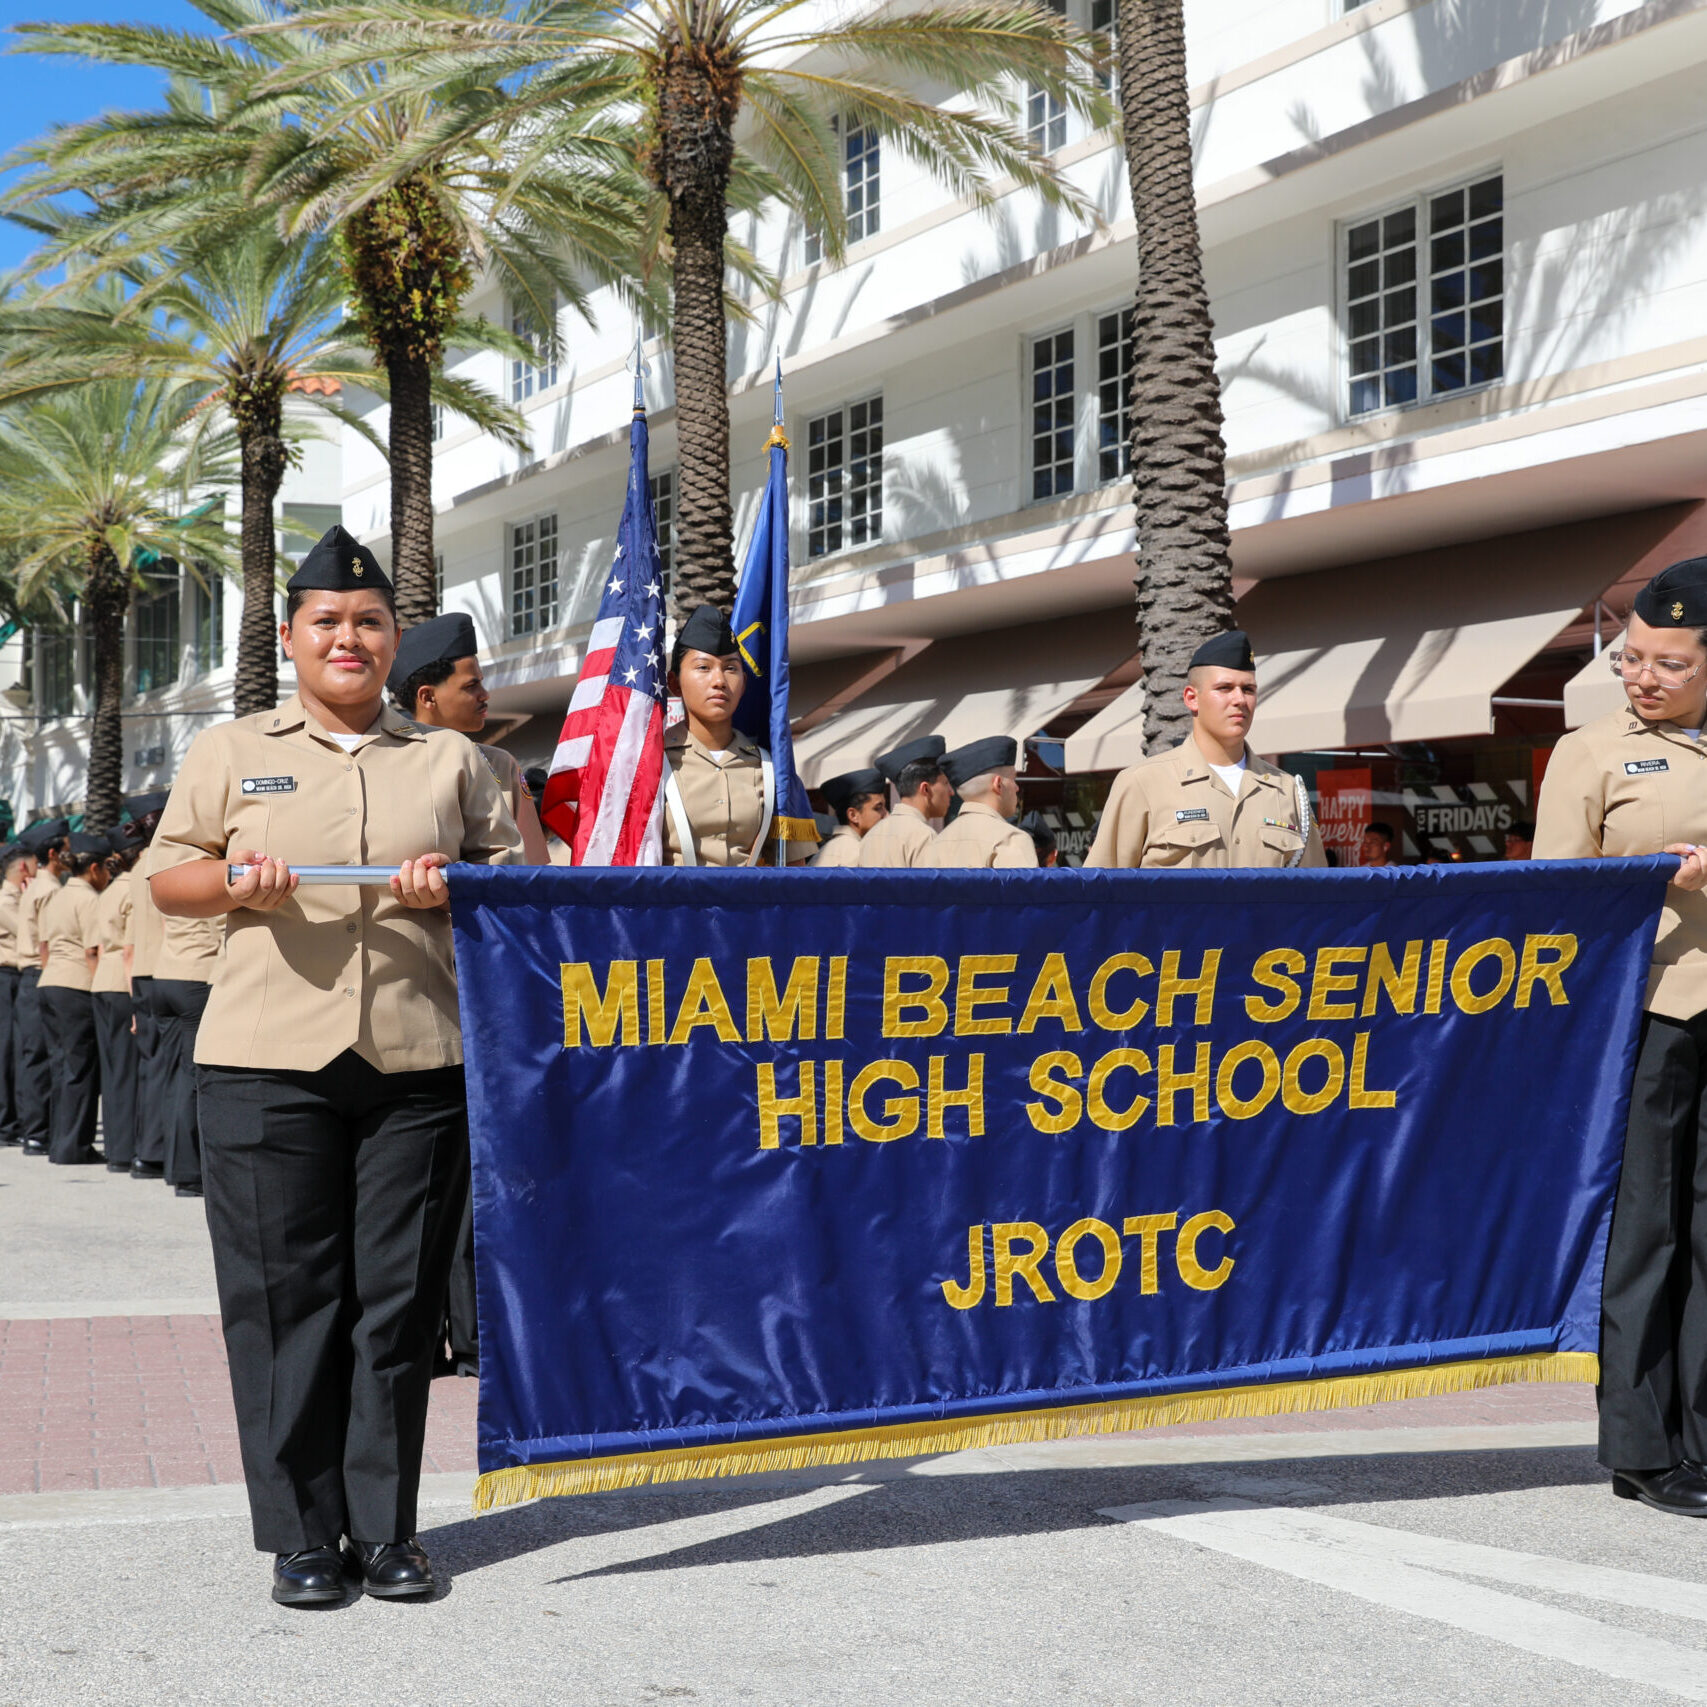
(760, 622)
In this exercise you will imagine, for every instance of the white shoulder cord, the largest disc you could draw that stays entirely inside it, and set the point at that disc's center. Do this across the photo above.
(1303, 794)
(679, 815)
(770, 806)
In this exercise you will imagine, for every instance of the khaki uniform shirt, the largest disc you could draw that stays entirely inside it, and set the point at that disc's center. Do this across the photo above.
(186, 950)
(146, 928)
(112, 927)
(1622, 786)
(724, 798)
(68, 929)
(507, 771)
(841, 849)
(10, 895)
(1172, 809)
(981, 837)
(334, 968)
(37, 893)
(903, 838)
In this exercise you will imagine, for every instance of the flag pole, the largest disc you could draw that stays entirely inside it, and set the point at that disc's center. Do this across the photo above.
(778, 437)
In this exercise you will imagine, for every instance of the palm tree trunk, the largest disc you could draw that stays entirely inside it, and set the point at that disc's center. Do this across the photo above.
(257, 685)
(1185, 591)
(696, 145)
(107, 597)
(411, 447)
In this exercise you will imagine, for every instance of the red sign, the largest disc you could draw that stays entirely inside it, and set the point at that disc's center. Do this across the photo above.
(1344, 806)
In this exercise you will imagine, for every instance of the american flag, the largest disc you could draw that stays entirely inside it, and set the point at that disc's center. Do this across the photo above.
(604, 795)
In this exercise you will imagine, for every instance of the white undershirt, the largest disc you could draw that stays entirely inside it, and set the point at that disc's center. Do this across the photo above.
(723, 756)
(1232, 775)
(347, 742)
(1693, 734)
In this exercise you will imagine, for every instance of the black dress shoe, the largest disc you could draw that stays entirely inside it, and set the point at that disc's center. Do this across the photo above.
(186, 1191)
(392, 1570)
(118, 1167)
(1681, 1490)
(147, 1170)
(313, 1577)
(34, 1149)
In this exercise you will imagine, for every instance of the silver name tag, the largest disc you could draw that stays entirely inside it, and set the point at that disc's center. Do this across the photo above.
(1645, 767)
(1192, 815)
(269, 785)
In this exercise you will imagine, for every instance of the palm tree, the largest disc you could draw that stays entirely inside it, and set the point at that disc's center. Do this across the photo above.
(319, 146)
(1185, 582)
(734, 97)
(89, 480)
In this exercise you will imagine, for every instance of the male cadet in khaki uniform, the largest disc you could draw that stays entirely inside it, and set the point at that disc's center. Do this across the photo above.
(32, 1065)
(984, 835)
(923, 793)
(859, 801)
(1211, 803)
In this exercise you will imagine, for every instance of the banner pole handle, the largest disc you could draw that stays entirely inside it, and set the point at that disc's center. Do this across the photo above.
(325, 876)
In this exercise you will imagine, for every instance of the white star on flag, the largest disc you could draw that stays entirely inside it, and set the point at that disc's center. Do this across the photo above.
(615, 585)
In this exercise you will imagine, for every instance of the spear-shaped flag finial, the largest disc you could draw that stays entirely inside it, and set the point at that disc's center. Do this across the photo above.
(778, 436)
(640, 370)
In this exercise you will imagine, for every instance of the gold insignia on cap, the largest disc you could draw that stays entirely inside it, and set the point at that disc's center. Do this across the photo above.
(1677, 611)
(356, 570)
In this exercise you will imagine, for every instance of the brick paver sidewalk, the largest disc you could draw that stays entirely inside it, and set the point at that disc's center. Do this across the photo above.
(145, 1401)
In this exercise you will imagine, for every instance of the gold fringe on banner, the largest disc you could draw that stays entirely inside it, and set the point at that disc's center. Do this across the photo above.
(961, 1434)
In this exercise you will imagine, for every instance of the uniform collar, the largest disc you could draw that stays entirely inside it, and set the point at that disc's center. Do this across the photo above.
(82, 880)
(910, 809)
(294, 715)
(1634, 725)
(983, 808)
(678, 735)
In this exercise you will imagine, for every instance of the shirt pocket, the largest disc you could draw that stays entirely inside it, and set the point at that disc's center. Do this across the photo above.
(1635, 817)
(1185, 844)
(1282, 839)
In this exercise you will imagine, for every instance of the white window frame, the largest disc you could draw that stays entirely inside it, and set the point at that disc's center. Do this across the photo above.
(166, 595)
(544, 612)
(1029, 435)
(663, 486)
(869, 219)
(1123, 418)
(1420, 203)
(847, 524)
(1046, 117)
(530, 379)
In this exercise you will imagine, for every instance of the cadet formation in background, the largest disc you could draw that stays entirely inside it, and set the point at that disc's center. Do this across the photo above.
(296, 1057)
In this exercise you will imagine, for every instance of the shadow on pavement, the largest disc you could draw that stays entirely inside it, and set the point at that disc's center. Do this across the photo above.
(910, 1509)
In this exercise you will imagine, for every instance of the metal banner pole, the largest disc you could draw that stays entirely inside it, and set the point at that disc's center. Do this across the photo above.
(310, 875)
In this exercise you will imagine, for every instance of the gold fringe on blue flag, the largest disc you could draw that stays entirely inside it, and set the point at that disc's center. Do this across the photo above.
(1117, 1416)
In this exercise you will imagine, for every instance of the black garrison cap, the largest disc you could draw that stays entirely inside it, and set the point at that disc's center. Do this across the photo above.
(140, 805)
(979, 758)
(440, 639)
(1229, 651)
(1676, 597)
(926, 747)
(82, 844)
(339, 563)
(706, 630)
(840, 792)
(37, 836)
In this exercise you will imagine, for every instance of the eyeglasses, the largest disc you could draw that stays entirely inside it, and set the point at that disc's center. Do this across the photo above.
(1668, 672)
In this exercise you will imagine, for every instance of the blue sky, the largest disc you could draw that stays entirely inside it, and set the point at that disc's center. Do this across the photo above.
(36, 93)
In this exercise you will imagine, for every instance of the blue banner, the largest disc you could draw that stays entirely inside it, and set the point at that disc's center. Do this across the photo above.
(773, 1171)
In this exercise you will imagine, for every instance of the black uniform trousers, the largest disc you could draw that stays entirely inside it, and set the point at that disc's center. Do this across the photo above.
(331, 1199)
(69, 1019)
(32, 1072)
(150, 1087)
(462, 1317)
(117, 1046)
(1653, 1314)
(178, 1005)
(10, 1132)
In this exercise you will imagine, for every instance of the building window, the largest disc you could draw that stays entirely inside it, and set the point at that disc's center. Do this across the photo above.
(1114, 394)
(533, 575)
(207, 620)
(438, 422)
(308, 524)
(438, 580)
(539, 374)
(156, 628)
(1045, 116)
(861, 187)
(664, 520)
(1103, 23)
(50, 668)
(1052, 415)
(844, 477)
(1425, 298)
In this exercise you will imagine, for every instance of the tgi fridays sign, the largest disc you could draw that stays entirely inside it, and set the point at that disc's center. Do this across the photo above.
(1473, 818)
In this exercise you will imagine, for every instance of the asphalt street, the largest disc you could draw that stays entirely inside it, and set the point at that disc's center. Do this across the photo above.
(1447, 1562)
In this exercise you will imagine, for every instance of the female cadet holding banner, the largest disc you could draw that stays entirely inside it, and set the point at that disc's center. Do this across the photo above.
(1635, 782)
(330, 1069)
